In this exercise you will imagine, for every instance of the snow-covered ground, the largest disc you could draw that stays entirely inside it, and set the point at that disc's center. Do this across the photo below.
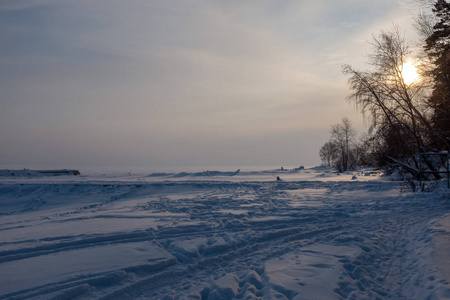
(314, 234)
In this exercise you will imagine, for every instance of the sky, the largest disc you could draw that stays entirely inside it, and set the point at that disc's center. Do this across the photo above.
(179, 83)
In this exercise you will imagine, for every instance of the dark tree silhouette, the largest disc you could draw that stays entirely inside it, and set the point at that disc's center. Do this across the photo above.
(328, 153)
(343, 136)
(438, 49)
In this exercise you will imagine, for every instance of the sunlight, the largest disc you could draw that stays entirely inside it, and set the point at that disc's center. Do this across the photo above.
(409, 73)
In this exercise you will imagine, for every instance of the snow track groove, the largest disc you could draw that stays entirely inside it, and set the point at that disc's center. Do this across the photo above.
(214, 240)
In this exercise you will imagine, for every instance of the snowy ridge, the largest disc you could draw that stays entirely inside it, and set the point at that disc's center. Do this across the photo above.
(197, 239)
(195, 174)
(38, 173)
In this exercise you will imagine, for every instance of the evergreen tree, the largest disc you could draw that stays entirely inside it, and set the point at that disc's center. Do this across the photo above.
(438, 49)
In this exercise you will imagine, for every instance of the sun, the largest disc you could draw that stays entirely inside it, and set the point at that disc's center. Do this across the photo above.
(409, 73)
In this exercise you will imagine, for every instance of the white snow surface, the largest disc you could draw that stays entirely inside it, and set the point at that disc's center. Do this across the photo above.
(314, 234)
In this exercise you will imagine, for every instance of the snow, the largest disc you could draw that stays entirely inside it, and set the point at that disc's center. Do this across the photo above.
(222, 234)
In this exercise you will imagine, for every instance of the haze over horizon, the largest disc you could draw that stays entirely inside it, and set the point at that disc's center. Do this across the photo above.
(189, 83)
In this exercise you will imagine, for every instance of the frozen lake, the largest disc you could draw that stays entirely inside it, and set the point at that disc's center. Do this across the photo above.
(314, 234)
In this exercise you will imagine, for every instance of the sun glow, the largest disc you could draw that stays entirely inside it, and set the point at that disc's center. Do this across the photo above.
(409, 73)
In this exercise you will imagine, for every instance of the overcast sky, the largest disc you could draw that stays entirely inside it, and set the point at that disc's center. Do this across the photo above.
(179, 83)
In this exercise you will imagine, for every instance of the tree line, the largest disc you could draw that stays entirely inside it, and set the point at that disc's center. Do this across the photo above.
(406, 117)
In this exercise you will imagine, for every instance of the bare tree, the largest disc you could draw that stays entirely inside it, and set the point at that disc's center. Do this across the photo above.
(397, 109)
(343, 135)
(328, 153)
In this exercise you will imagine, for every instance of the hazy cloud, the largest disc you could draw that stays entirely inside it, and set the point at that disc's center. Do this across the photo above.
(178, 82)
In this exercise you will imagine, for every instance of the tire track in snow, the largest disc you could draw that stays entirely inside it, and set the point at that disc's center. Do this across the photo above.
(235, 229)
(163, 235)
(251, 253)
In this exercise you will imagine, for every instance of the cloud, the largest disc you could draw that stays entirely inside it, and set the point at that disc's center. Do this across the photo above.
(118, 79)
(13, 5)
